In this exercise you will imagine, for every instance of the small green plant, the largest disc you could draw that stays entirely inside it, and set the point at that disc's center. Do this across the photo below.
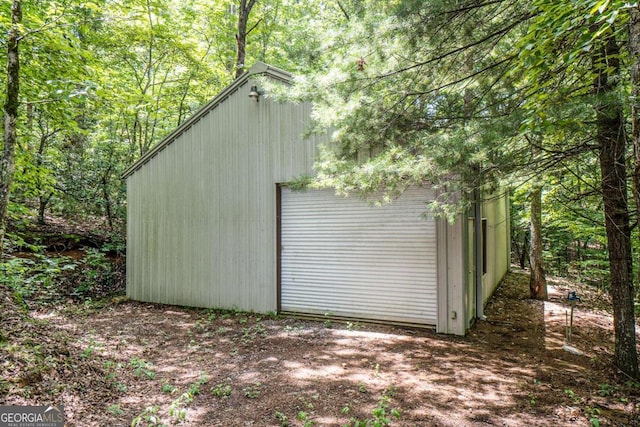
(194, 389)
(306, 419)
(91, 348)
(252, 391)
(168, 388)
(109, 364)
(353, 326)
(376, 371)
(605, 390)
(328, 323)
(116, 243)
(532, 399)
(198, 326)
(221, 390)
(148, 418)
(576, 399)
(4, 387)
(252, 332)
(178, 408)
(282, 418)
(382, 414)
(592, 414)
(142, 368)
(362, 387)
(115, 409)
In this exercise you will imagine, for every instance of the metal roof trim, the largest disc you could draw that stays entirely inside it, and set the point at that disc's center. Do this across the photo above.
(259, 68)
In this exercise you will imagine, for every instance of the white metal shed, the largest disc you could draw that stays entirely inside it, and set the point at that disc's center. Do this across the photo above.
(212, 223)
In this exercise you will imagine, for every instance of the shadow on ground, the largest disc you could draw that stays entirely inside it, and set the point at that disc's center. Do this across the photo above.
(206, 368)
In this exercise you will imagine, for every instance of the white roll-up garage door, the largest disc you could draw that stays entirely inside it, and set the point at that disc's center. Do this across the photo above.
(343, 257)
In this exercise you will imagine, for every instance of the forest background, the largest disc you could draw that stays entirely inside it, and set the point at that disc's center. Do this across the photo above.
(539, 96)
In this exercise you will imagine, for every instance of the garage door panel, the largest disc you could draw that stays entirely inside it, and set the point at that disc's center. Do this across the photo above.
(343, 256)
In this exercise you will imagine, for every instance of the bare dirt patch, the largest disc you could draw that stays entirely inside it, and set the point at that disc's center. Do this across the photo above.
(120, 362)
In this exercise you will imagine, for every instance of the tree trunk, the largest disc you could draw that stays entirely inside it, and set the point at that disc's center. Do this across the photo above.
(634, 54)
(523, 252)
(7, 162)
(611, 138)
(42, 208)
(241, 38)
(107, 200)
(538, 281)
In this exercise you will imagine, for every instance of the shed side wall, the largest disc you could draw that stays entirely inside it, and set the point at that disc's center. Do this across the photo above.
(494, 210)
(201, 213)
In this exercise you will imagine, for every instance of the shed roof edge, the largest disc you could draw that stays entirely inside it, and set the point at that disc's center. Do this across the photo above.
(259, 68)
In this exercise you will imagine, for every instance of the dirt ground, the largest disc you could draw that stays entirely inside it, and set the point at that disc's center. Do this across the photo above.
(113, 363)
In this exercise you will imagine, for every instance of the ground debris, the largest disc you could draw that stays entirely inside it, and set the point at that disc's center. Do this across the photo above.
(112, 364)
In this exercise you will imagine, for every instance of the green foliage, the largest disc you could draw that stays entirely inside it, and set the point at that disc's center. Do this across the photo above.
(306, 419)
(142, 368)
(282, 418)
(300, 183)
(605, 390)
(90, 349)
(252, 332)
(115, 409)
(574, 235)
(178, 408)
(252, 391)
(421, 102)
(168, 388)
(35, 277)
(44, 279)
(148, 418)
(557, 48)
(102, 83)
(222, 390)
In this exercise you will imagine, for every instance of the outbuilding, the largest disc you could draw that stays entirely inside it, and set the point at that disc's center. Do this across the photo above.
(211, 222)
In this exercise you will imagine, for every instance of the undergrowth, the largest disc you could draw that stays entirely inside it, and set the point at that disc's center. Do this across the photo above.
(42, 279)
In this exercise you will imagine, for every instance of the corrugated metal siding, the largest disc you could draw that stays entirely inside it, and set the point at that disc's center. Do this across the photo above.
(202, 213)
(470, 294)
(345, 257)
(494, 209)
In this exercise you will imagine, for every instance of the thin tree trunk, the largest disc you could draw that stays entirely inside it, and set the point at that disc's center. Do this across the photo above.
(523, 252)
(241, 37)
(538, 281)
(611, 138)
(43, 197)
(42, 208)
(107, 199)
(7, 162)
(634, 53)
